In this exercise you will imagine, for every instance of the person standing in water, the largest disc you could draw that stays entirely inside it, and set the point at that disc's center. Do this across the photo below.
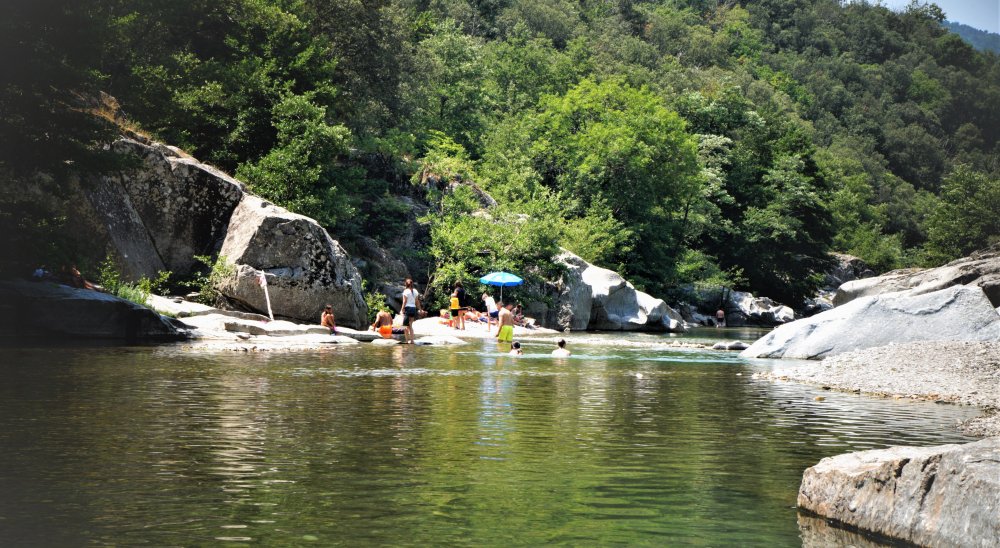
(561, 351)
(515, 349)
(505, 333)
(409, 308)
(720, 318)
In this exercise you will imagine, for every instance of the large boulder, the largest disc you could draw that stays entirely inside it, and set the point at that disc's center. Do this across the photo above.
(161, 214)
(981, 269)
(741, 308)
(165, 211)
(948, 495)
(958, 313)
(44, 309)
(745, 309)
(594, 298)
(305, 268)
(847, 268)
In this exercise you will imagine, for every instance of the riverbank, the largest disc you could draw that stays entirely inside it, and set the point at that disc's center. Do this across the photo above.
(965, 373)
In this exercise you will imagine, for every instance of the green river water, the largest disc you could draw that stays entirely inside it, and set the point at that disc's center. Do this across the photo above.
(627, 442)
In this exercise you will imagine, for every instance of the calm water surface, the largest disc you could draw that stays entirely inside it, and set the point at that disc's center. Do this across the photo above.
(626, 442)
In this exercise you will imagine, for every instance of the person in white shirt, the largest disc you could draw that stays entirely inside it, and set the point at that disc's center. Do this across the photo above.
(491, 310)
(409, 309)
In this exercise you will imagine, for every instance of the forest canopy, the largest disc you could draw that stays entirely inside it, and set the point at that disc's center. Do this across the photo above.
(680, 141)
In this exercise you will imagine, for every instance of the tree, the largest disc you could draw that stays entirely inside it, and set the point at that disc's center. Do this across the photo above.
(966, 220)
(620, 147)
(299, 173)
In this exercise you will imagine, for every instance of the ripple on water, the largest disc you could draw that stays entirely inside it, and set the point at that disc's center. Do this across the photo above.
(409, 446)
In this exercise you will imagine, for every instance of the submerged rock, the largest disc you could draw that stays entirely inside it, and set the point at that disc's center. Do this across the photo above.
(947, 495)
(958, 313)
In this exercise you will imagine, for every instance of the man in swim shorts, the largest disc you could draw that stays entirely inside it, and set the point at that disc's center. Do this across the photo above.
(383, 324)
(506, 322)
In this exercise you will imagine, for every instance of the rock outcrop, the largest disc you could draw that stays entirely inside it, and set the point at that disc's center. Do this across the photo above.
(36, 309)
(947, 495)
(171, 207)
(958, 313)
(741, 308)
(305, 268)
(847, 269)
(745, 309)
(981, 269)
(594, 298)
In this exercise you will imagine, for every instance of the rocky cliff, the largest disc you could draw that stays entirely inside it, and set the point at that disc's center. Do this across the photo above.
(161, 213)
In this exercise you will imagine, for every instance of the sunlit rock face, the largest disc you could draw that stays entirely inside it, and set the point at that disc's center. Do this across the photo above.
(947, 495)
(981, 269)
(305, 268)
(958, 313)
(598, 299)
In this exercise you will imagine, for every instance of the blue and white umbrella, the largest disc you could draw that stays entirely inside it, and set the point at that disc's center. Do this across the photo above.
(502, 280)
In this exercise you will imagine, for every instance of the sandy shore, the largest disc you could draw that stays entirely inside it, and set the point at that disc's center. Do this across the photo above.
(952, 372)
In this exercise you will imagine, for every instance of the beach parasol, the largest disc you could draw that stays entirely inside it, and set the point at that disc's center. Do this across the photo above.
(502, 280)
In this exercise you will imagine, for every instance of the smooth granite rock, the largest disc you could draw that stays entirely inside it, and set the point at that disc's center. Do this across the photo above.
(598, 299)
(958, 313)
(44, 309)
(981, 269)
(947, 495)
(305, 268)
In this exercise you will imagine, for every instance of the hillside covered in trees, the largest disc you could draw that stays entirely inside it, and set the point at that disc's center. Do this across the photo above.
(679, 141)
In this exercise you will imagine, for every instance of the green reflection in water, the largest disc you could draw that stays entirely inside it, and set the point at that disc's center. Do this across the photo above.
(629, 441)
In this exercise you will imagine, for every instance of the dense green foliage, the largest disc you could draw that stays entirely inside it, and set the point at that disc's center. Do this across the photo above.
(676, 140)
(980, 39)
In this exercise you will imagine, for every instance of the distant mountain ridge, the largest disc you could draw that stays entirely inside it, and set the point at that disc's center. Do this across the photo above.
(979, 39)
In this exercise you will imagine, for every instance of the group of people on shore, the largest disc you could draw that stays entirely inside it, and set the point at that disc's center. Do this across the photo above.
(411, 308)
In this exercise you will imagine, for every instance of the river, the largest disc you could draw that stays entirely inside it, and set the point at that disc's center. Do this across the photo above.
(628, 441)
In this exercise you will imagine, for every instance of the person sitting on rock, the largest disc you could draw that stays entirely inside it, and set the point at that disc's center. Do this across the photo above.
(383, 323)
(327, 320)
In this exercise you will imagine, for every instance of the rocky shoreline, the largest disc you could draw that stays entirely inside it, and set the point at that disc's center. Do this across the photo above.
(962, 372)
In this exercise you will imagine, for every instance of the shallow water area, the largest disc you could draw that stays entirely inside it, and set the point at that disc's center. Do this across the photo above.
(629, 440)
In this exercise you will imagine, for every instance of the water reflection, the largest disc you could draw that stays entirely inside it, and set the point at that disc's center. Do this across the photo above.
(632, 442)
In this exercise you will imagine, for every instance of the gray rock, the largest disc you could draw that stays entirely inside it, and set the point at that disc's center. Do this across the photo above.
(745, 309)
(575, 298)
(43, 309)
(981, 269)
(958, 313)
(947, 495)
(741, 308)
(595, 298)
(730, 345)
(182, 207)
(846, 269)
(305, 268)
